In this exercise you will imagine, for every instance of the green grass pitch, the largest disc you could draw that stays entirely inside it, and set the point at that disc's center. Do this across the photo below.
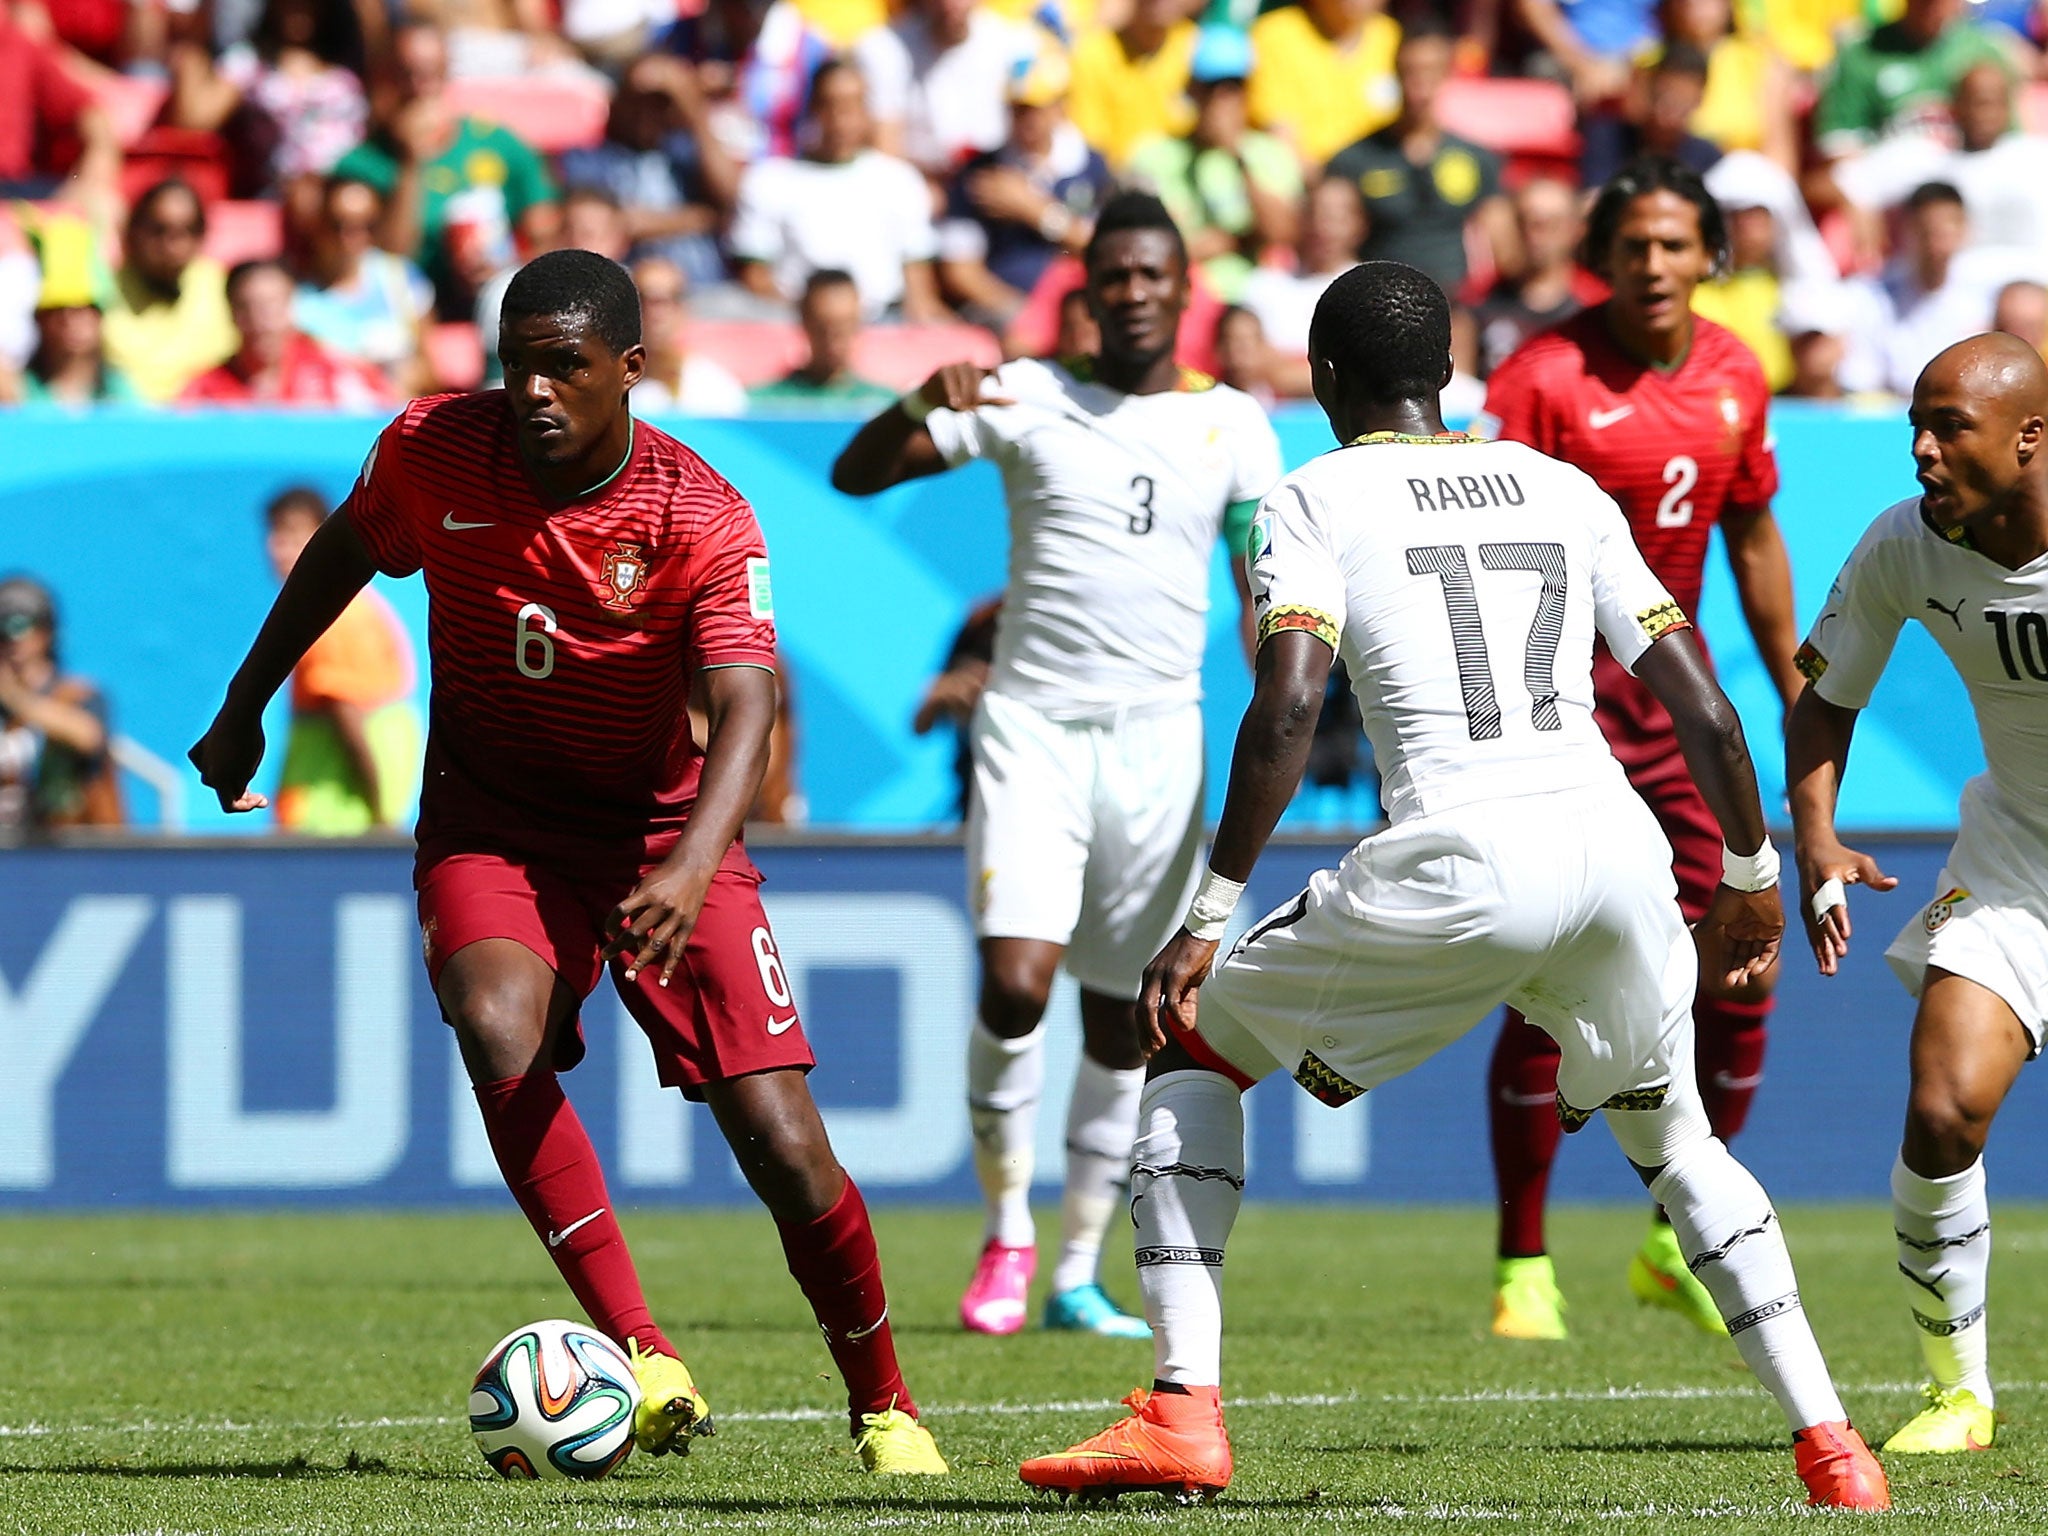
(307, 1374)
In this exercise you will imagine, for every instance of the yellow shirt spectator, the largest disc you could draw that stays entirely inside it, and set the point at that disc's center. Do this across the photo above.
(1118, 97)
(1318, 94)
(162, 345)
(1746, 302)
(1804, 31)
(842, 23)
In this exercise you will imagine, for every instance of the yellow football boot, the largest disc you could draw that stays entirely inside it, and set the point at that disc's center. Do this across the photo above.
(1953, 1420)
(671, 1409)
(893, 1444)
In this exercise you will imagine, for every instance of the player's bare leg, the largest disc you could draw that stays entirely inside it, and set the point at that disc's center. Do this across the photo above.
(1731, 1240)
(1102, 1122)
(1968, 1048)
(1187, 1181)
(772, 1124)
(1005, 1081)
(507, 1006)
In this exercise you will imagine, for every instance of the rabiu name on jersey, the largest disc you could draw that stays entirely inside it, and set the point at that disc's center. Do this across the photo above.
(1465, 493)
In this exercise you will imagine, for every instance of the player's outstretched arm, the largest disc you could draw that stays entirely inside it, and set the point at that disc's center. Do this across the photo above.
(333, 568)
(654, 920)
(1265, 770)
(1743, 928)
(1817, 740)
(896, 446)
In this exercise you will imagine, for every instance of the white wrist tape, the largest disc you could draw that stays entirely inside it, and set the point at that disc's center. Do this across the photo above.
(1750, 871)
(914, 404)
(1215, 899)
(1832, 894)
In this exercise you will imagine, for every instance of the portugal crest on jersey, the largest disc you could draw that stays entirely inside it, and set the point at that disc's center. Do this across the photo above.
(623, 578)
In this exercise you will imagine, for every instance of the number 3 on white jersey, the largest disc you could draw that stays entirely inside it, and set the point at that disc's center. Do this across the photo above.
(1681, 474)
(533, 651)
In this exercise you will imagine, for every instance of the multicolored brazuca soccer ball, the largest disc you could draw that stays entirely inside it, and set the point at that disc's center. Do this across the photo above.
(554, 1399)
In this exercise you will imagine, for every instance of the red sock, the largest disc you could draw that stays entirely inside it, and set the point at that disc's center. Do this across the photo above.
(552, 1170)
(834, 1261)
(1728, 1050)
(1521, 1109)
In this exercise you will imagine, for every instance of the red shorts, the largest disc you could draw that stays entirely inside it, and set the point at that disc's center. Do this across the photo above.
(1667, 788)
(728, 1010)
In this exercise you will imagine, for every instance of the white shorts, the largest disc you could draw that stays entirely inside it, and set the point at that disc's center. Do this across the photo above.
(1562, 906)
(1988, 922)
(1085, 834)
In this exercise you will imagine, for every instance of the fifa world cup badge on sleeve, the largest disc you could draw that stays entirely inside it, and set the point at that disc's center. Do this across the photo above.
(760, 596)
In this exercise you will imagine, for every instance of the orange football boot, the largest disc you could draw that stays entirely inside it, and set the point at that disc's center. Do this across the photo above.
(1838, 1469)
(1173, 1443)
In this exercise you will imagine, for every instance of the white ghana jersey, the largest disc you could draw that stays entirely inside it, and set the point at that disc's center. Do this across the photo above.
(1462, 583)
(1991, 622)
(1116, 502)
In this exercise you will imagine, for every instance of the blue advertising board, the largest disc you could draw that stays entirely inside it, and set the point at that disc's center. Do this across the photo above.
(147, 526)
(251, 1024)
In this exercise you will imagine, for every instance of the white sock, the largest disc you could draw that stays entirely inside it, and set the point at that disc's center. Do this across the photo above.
(1102, 1122)
(1944, 1232)
(1005, 1079)
(1730, 1237)
(1187, 1179)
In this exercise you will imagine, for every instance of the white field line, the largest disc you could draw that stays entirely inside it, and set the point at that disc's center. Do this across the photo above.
(1497, 1396)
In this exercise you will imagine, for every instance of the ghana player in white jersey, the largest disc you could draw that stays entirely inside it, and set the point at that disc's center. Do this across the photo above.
(1967, 559)
(1085, 823)
(1463, 583)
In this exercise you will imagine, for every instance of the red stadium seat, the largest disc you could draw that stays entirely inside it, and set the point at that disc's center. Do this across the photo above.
(2034, 107)
(903, 355)
(1525, 120)
(551, 114)
(244, 231)
(198, 158)
(132, 104)
(457, 354)
(752, 351)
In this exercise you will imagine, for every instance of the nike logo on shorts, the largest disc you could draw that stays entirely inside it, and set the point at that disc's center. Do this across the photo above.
(1598, 419)
(780, 1026)
(448, 522)
(556, 1239)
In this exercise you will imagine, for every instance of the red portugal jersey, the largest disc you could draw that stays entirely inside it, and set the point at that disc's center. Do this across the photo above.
(563, 637)
(1678, 450)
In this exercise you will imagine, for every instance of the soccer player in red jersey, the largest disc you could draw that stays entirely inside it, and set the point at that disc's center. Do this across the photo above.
(1666, 412)
(585, 573)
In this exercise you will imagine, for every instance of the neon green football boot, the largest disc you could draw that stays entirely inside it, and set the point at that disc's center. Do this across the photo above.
(1659, 1277)
(672, 1410)
(1526, 1301)
(893, 1444)
(1953, 1420)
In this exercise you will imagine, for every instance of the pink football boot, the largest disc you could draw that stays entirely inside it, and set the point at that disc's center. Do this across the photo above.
(994, 1302)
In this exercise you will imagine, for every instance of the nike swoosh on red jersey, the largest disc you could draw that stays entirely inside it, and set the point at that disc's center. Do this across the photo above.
(1598, 419)
(448, 522)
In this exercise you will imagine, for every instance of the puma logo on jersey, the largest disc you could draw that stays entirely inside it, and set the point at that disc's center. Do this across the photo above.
(1955, 614)
(1598, 419)
(448, 522)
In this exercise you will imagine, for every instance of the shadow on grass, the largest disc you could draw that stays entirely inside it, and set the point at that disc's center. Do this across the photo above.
(290, 1469)
(1675, 1447)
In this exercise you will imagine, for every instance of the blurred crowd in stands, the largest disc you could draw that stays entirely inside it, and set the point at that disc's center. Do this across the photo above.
(318, 202)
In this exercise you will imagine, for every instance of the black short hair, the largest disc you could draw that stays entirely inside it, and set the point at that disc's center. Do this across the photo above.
(1929, 193)
(1427, 24)
(1639, 178)
(1683, 58)
(170, 186)
(1134, 210)
(1386, 328)
(828, 277)
(295, 498)
(583, 284)
(242, 271)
